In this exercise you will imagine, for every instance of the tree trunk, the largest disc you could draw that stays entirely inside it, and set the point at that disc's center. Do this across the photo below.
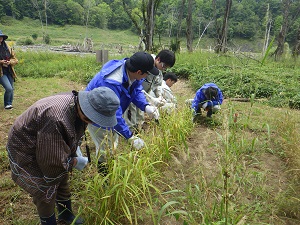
(46, 17)
(177, 42)
(283, 31)
(144, 25)
(200, 36)
(296, 51)
(222, 41)
(150, 25)
(36, 6)
(189, 30)
(267, 31)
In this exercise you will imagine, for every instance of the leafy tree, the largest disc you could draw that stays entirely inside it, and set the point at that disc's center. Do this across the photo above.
(245, 23)
(99, 15)
(119, 18)
(290, 12)
(142, 15)
(222, 34)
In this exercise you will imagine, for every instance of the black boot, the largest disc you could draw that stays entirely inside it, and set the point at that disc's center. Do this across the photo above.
(65, 213)
(48, 220)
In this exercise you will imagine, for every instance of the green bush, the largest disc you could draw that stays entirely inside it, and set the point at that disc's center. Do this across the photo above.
(47, 39)
(34, 36)
(294, 103)
(27, 41)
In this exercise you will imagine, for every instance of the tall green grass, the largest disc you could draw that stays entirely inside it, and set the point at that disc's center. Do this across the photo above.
(240, 76)
(161, 183)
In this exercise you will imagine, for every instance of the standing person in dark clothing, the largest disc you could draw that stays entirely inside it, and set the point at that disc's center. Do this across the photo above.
(42, 146)
(7, 72)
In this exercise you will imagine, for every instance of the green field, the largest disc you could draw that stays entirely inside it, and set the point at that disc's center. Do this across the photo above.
(219, 171)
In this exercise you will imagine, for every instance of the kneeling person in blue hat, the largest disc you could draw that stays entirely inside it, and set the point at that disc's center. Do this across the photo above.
(42, 145)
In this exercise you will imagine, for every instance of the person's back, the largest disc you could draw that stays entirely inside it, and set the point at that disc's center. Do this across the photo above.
(209, 97)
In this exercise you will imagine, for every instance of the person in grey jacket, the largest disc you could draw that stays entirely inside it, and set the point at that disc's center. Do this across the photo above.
(42, 145)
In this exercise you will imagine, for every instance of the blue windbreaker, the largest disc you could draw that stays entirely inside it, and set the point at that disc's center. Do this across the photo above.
(120, 86)
(200, 97)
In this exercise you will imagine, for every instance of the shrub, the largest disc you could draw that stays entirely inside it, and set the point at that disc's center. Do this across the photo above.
(34, 36)
(294, 102)
(27, 41)
(47, 39)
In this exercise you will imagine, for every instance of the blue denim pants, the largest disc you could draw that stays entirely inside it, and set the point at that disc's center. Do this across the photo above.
(7, 81)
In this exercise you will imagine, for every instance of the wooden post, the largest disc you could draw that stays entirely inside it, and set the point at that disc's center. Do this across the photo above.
(102, 56)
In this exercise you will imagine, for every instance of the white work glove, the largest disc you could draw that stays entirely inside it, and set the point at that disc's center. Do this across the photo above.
(217, 107)
(81, 162)
(204, 105)
(152, 111)
(136, 142)
(160, 101)
(78, 151)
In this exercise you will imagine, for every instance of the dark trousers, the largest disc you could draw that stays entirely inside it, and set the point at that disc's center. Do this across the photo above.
(46, 209)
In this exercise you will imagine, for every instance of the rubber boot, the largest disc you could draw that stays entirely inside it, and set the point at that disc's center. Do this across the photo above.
(48, 220)
(65, 213)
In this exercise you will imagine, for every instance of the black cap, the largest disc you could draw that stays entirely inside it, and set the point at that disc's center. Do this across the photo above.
(143, 61)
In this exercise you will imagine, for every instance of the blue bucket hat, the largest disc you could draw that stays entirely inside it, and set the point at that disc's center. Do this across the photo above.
(100, 106)
(3, 35)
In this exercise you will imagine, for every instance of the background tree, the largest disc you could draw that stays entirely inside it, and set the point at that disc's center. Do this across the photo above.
(222, 36)
(143, 19)
(176, 44)
(37, 5)
(290, 13)
(189, 30)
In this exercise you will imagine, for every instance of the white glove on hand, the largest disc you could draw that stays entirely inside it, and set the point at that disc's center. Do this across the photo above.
(81, 162)
(217, 107)
(78, 151)
(136, 142)
(204, 105)
(152, 111)
(160, 101)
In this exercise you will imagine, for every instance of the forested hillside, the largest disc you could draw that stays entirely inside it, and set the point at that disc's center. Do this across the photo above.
(248, 19)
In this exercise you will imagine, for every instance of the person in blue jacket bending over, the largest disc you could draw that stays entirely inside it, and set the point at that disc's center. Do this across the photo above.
(125, 78)
(209, 97)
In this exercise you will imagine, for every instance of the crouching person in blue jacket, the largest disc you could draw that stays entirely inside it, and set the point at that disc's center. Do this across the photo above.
(209, 97)
(125, 78)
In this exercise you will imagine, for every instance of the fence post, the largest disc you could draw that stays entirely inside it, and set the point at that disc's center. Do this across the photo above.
(102, 56)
